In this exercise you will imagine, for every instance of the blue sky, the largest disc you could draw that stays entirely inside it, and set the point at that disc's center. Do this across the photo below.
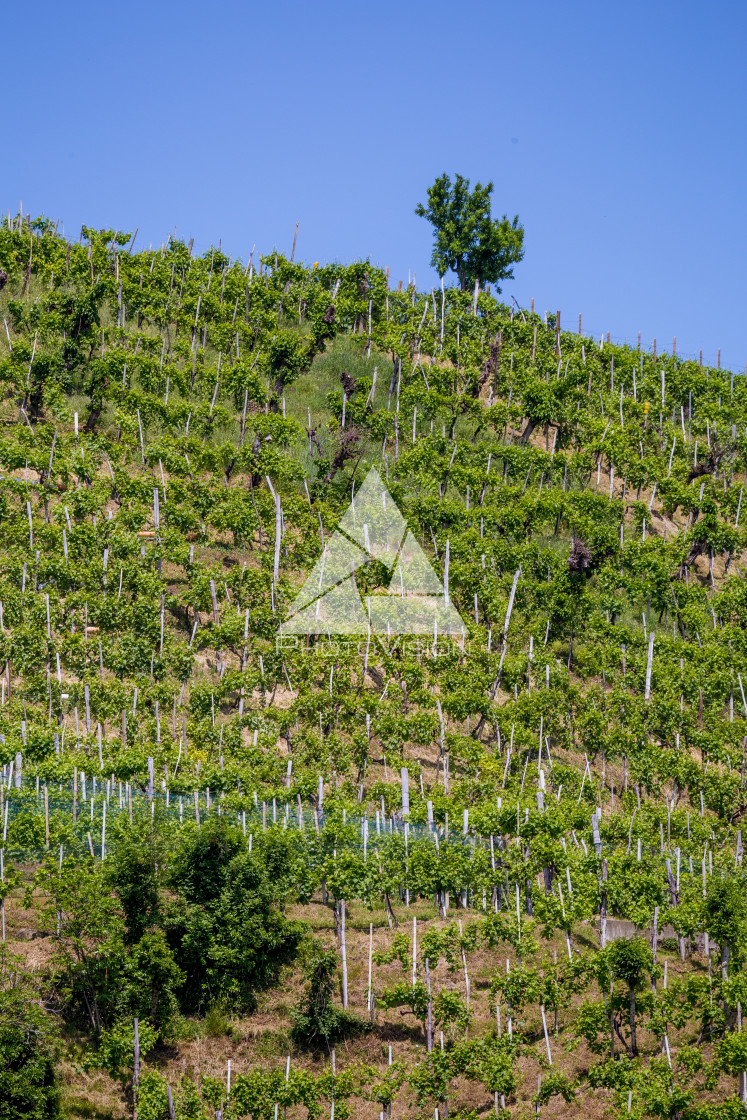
(616, 132)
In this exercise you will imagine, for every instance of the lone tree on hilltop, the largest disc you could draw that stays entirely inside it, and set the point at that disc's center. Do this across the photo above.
(468, 241)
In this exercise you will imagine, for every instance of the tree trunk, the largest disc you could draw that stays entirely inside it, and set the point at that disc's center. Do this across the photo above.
(531, 425)
(93, 417)
(633, 1042)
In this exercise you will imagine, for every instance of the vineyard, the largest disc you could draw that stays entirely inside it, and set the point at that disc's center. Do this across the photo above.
(468, 845)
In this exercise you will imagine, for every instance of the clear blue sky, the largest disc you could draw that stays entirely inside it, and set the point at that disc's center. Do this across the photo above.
(617, 132)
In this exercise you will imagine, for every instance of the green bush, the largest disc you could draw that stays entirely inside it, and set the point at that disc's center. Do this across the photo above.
(116, 1052)
(226, 927)
(131, 871)
(316, 1021)
(28, 1049)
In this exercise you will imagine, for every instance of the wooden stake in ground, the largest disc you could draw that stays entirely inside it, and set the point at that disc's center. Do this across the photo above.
(414, 951)
(2, 880)
(464, 965)
(136, 1062)
(510, 606)
(429, 1021)
(649, 666)
(278, 533)
(547, 1037)
(344, 955)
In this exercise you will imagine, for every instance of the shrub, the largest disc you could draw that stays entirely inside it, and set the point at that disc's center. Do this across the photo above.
(28, 1046)
(227, 930)
(316, 1021)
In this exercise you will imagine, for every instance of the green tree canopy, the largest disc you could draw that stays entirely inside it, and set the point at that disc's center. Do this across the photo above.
(468, 240)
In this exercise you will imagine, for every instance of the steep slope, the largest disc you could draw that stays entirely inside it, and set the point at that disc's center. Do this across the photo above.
(182, 438)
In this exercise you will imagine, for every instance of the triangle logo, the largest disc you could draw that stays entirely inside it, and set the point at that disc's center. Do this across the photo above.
(373, 529)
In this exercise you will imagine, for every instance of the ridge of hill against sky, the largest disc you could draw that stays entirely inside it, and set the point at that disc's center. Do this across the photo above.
(615, 132)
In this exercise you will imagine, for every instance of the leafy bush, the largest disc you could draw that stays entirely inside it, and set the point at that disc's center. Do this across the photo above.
(226, 928)
(28, 1049)
(116, 1053)
(131, 870)
(316, 1020)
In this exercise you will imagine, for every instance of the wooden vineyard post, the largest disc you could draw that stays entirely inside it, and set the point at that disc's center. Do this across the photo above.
(429, 1022)
(46, 815)
(136, 1065)
(464, 965)
(649, 666)
(414, 951)
(404, 778)
(343, 948)
(369, 993)
(547, 1037)
(603, 907)
(509, 1022)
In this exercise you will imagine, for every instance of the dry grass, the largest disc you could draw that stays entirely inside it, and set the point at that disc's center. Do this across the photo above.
(263, 1038)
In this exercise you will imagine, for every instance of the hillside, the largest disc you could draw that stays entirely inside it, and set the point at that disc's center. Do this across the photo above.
(202, 800)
